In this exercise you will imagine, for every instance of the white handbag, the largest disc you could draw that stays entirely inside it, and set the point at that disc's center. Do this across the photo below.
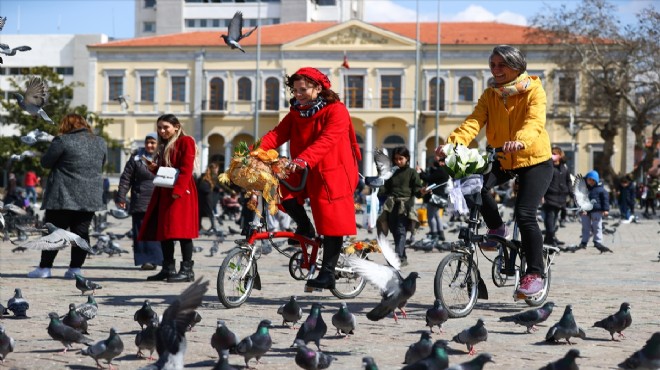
(166, 177)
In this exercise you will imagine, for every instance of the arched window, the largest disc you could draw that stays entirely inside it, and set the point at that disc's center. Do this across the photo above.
(217, 94)
(465, 89)
(392, 142)
(433, 91)
(244, 89)
(272, 94)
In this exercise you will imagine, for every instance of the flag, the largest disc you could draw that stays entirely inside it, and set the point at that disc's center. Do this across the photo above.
(345, 63)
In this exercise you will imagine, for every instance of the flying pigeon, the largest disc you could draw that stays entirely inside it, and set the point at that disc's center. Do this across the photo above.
(530, 318)
(18, 305)
(85, 285)
(646, 358)
(224, 339)
(146, 338)
(257, 344)
(581, 194)
(75, 320)
(35, 136)
(309, 359)
(144, 314)
(383, 168)
(9, 51)
(55, 238)
(369, 363)
(394, 289)
(565, 328)
(344, 320)
(106, 349)
(437, 359)
(420, 349)
(476, 363)
(436, 315)
(472, 335)
(223, 362)
(618, 322)
(565, 363)
(7, 344)
(235, 30)
(291, 312)
(3, 20)
(89, 309)
(65, 334)
(20, 157)
(314, 328)
(121, 99)
(36, 96)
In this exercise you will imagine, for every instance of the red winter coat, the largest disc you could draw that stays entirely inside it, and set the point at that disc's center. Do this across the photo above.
(326, 141)
(169, 218)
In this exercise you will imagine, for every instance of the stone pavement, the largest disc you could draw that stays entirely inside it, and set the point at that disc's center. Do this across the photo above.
(595, 284)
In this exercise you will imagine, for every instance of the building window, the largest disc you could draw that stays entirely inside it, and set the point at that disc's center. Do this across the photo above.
(272, 93)
(217, 94)
(148, 26)
(149, 3)
(390, 91)
(434, 90)
(392, 142)
(354, 92)
(325, 2)
(178, 88)
(202, 22)
(65, 71)
(465, 89)
(216, 23)
(567, 89)
(190, 23)
(115, 87)
(147, 88)
(244, 89)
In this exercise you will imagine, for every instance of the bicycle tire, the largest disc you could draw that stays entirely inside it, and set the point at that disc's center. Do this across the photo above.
(451, 284)
(295, 270)
(499, 278)
(243, 286)
(538, 301)
(347, 285)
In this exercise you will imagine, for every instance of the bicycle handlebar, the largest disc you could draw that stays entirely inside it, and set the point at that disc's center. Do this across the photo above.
(301, 186)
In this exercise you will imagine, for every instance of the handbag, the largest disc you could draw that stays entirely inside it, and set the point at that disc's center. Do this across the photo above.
(166, 177)
(438, 201)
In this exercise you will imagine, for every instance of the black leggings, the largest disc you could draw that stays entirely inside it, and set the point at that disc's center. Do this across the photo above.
(533, 182)
(168, 250)
(78, 223)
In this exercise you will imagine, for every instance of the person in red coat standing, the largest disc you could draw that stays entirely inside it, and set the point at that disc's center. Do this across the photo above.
(321, 138)
(172, 213)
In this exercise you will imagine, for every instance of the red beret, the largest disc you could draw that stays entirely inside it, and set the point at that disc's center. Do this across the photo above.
(315, 75)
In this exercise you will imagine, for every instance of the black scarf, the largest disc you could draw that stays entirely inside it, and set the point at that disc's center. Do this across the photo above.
(317, 106)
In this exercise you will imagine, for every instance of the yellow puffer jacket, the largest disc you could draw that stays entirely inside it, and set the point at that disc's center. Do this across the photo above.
(523, 120)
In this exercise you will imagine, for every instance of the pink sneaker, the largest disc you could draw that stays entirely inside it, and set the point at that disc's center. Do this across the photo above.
(530, 284)
(501, 233)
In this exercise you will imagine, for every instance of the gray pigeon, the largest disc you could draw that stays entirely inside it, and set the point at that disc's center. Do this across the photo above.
(291, 312)
(85, 285)
(235, 30)
(223, 362)
(224, 339)
(55, 238)
(3, 20)
(383, 167)
(436, 360)
(617, 322)
(647, 358)
(565, 328)
(476, 363)
(368, 363)
(106, 349)
(3, 310)
(395, 290)
(5, 49)
(36, 136)
(420, 349)
(121, 99)
(581, 194)
(65, 334)
(75, 320)
(146, 338)
(530, 318)
(309, 359)
(18, 305)
(436, 315)
(257, 344)
(314, 328)
(7, 344)
(472, 335)
(565, 363)
(145, 314)
(344, 320)
(36, 96)
(89, 309)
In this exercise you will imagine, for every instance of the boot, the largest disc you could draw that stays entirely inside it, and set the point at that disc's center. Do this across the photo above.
(167, 271)
(331, 250)
(441, 235)
(186, 273)
(299, 215)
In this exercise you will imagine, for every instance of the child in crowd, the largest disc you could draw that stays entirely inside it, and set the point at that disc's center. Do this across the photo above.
(592, 221)
(626, 198)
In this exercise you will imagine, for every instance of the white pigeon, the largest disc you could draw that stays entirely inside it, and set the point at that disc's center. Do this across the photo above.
(383, 167)
(56, 239)
(581, 194)
(20, 157)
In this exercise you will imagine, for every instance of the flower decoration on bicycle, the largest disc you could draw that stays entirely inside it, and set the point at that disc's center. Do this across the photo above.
(353, 246)
(258, 171)
(466, 166)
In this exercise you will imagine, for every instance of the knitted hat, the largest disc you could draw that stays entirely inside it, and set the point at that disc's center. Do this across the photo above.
(594, 175)
(151, 135)
(315, 75)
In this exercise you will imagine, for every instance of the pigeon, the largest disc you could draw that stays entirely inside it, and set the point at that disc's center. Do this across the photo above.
(146, 338)
(344, 320)
(223, 362)
(224, 339)
(565, 363)
(85, 285)
(472, 335)
(120, 214)
(171, 334)
(121, 99)
(530, 318)
(291, 312)
(581, 194)
(235, 30)
(646, 358)
(106, 349)
(56, 239)
(75, 320)
(257, 344)
(3, 310)
(314, 328)
(602, 249)
(89, 309)
(369, 363)
(65, 334)
(420, 349)
(565, 328)
(436, 360)
(18, 305)
(394, 289)
(309, 359)
(20, 157)
(436, 315)
(384, 166)
(7, 344)
(618, 322)
(198, 249)
(36, 95)
(9, 51)
(3, 20)
(476, 363)
(36, 136)
(215, 248)
(144, 315)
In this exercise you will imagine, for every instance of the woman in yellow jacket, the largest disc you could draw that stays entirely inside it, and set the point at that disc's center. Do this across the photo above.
(513, 111)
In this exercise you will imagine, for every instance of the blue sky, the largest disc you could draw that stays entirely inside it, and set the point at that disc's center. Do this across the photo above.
(116, 17)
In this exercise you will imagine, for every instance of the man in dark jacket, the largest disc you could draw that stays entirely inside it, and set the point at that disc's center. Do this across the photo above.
(555, 197)
(592, 221)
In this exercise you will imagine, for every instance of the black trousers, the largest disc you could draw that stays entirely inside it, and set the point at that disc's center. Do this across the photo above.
(550, 222)
(77, 222)
(168, 250)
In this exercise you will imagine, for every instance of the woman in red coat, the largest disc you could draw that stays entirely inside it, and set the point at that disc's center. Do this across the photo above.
(172, 213)
(321, 138)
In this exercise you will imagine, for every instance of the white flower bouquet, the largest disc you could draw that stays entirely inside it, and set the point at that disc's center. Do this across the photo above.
(462, 161)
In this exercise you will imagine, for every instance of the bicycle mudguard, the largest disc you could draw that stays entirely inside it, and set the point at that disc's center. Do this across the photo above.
(482, 291)
(257, 278)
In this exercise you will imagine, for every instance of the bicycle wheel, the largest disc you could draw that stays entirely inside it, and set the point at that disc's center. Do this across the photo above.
(348, 284)
(499, 277)
(234, 288)
(455, 286)
(540, 298)
(295, 269)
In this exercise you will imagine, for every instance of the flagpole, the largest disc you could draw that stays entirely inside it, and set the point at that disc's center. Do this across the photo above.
(437, 87)
(414, 160)
(257, 89)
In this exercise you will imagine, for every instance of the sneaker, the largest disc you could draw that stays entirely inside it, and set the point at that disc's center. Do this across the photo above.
(498, 235)
(148, 266)
(530, 284)
(39, 273)
(71, 272)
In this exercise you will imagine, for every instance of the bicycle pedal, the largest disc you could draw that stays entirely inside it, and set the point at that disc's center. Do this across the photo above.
(518, 296)
(309, 289)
